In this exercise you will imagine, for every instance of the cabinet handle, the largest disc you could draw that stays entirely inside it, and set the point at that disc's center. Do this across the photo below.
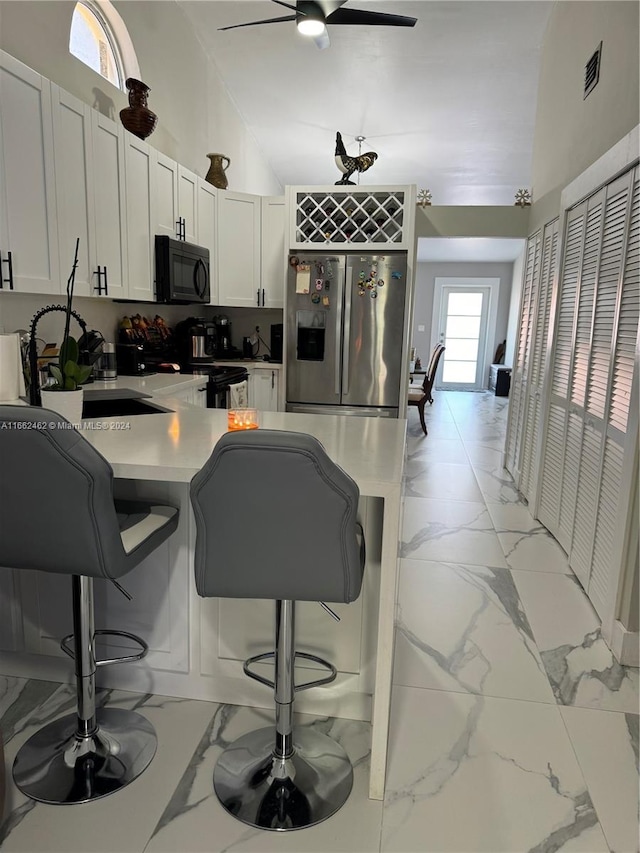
(263, 297)
(106, 283)
(273, 375)
(258, 298)
(98, 287)
(201, 390)
(184, 228)
(179, 228)
(9, 262)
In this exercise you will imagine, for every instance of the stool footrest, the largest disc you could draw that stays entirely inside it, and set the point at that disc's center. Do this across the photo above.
(67, 647)
(305, 656)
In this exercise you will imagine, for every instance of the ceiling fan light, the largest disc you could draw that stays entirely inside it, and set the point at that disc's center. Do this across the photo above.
(309, 26)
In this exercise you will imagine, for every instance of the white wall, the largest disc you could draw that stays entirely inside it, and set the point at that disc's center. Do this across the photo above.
(195, 113)
(426, 273)
(571, 132)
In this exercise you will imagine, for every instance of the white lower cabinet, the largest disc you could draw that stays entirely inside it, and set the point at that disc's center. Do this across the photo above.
(195, 396)
(263, 389)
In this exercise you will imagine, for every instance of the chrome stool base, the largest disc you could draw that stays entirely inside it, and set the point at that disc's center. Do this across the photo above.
(283, 794)
(58, 766)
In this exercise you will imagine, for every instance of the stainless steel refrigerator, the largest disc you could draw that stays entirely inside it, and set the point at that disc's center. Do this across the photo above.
(346, 318)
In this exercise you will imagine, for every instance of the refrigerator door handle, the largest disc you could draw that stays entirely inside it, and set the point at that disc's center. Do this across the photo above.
(338, 353)
(346, 334)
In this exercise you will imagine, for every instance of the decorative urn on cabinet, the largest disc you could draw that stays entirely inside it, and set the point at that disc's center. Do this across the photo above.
(137, 118)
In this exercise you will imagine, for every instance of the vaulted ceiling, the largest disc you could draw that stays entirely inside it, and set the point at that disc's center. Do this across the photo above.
(448, 105)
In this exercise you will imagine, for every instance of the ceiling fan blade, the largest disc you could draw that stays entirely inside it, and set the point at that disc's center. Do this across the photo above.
(322, 41)
(286, 5)
(330, 6)
(255, 23)
(372, 19)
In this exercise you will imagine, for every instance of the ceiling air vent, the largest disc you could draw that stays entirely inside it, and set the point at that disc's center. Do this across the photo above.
(592, 72)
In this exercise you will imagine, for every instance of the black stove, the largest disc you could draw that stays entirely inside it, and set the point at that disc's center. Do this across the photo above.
(220, 379)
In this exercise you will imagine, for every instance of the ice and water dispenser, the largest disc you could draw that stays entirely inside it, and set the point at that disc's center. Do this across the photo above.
(311, 328)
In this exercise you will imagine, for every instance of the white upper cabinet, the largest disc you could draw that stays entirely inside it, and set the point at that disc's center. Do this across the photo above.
(176, 199)
(188, 204)
(139, 175)
(74, 186)
(273, 259)
(28, 227)
(110, 275)
(206, 236)
(166, 196)
(238, 250)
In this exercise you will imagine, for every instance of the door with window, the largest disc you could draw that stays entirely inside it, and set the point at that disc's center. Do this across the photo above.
(463, 321)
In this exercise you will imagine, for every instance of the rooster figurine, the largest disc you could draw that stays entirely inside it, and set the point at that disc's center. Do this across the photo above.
(348, 165)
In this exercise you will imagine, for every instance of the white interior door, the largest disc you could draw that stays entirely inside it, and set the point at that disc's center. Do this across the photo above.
(463, 324)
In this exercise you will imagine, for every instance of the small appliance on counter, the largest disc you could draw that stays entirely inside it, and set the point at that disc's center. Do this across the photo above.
(130, 360)
(277, 334)
(106, 366)
(195, 342)
(145, 346)
(224, 347)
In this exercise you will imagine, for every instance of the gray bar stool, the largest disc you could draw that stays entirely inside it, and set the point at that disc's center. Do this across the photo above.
(58, 514)
(276, 518)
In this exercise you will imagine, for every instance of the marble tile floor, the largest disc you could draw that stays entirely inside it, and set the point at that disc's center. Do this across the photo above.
(512, 729)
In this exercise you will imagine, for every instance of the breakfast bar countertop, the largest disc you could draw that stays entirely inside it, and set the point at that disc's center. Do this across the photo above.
(173, 447)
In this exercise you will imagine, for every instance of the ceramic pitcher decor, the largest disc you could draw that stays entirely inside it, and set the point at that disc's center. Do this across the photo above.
(216, 174)
(137, 118)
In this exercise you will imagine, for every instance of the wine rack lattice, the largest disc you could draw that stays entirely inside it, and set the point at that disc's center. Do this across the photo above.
(349, 217)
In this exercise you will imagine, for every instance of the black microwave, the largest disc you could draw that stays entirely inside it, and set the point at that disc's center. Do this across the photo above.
(182, 272)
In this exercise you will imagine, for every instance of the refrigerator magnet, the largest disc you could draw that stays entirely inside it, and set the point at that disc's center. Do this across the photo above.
(315, 298)
(319, 284)
(396, 274)
(325, 301)
(303, 278)
(380, 282)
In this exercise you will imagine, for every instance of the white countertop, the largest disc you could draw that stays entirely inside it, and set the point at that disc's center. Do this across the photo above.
(157, 384)
(173, 447)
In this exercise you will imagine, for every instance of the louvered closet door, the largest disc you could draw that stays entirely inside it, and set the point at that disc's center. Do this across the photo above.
(607, 550)
(553, 456)
(517, 394)
(609, 287)
(537, 362)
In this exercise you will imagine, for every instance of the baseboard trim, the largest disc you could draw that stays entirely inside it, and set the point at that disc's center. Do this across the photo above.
(625, 645)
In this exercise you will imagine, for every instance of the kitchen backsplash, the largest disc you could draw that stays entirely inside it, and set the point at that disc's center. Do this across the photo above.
(17, 311)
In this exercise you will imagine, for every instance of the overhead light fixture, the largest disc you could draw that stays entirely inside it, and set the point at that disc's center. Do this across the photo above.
(309, 26)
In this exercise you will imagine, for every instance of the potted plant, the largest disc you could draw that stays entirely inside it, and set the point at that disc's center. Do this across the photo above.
(65, 395)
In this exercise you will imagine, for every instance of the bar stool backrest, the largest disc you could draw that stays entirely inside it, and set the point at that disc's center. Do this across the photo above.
(56, 502)
(275, 518)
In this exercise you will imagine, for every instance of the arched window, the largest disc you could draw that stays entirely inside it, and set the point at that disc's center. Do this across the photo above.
(99, 38)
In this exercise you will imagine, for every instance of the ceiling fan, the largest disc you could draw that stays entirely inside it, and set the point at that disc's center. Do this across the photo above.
(313, 16)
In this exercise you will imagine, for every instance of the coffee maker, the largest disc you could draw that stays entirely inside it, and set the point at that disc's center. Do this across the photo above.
(224, 348)
(195, 340)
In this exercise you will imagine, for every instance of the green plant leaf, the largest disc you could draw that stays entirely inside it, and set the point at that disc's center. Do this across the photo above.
(57, 375)
(84, 371)
(68, 351)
